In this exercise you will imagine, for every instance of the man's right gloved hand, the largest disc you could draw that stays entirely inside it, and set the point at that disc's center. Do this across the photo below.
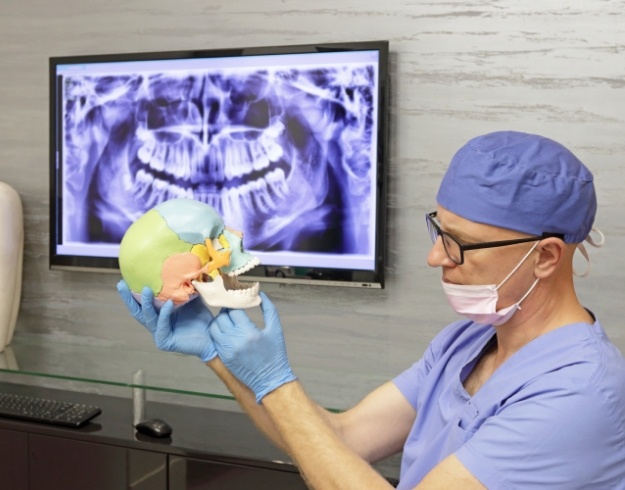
(184, 330)
(257, 357)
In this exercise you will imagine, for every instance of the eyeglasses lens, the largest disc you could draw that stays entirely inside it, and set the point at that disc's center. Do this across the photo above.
(453, 249)
(451, 246)
(431, 229)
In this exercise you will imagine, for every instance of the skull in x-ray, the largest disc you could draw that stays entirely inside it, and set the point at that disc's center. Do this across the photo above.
(180, 249)
(272, 148)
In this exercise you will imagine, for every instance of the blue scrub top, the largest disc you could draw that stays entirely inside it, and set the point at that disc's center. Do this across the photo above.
(552, 416)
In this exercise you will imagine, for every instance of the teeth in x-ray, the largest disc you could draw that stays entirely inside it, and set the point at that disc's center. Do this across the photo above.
(274, 152)
(174, 159)
(237, 161)
(230, 156)
(261, 196)
(239, 158)
(184, 159)
(144, 185)
(152, 190)
(263, 199)
(231, 205)
(260, 159)
(265, 151)
(253, 195)
(210, 198)
(147, 150)
(159, 193)
(276, 129)
(178, 159)
(260, 162)
(276, 179)
(143, 180)
(157, 162)
(267, 142)
(188, 131)
(212, 164)
(246, 196)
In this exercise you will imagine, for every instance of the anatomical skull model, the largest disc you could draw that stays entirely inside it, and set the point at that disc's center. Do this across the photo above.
(181, 248)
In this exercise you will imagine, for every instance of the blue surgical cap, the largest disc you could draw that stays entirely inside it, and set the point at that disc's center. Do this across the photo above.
(522, 182)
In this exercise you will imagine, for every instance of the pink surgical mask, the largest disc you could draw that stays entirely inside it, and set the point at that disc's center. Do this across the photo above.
(479, 303)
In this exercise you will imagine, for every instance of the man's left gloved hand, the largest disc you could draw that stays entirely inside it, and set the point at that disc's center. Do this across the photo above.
(256, 357)
(184, 330)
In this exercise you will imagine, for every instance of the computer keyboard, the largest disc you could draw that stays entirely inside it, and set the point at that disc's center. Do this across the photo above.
(36, 409)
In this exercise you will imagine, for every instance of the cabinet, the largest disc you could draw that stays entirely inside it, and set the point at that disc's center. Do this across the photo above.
(13, 460)
(39, 462)
(60, 463)
(209, 449)
(197, 474)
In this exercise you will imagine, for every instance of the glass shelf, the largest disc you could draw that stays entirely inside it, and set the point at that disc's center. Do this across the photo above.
(44, 359)
(40, 356)
(92, 366)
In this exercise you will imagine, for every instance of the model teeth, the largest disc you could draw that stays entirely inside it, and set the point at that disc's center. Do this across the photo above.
(247, 267)
(237, 288)
(227, 292)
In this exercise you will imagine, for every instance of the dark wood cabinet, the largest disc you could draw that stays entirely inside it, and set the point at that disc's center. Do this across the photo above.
(60, 463)
(208, 449)
(198, 474)
(13, 460)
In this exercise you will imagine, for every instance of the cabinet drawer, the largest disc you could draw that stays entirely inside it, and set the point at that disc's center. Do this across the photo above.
(196, 474)
(70, 464)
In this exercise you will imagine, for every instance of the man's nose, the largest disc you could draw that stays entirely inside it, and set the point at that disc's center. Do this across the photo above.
(437, 257)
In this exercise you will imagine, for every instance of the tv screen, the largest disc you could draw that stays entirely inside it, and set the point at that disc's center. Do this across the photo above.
(287, 143)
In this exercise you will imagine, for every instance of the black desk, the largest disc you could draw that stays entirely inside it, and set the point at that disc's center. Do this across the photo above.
(208, 449)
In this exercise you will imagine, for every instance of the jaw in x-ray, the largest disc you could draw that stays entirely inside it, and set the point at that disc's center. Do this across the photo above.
(280, 153)
(182, 248)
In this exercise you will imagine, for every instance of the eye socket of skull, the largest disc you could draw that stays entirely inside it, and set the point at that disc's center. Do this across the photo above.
(180, 243)
(239, 259)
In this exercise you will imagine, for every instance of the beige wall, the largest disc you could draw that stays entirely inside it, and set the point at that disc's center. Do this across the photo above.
(459, 69)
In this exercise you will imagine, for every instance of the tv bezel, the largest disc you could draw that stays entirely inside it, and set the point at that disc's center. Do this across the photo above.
(316, 276)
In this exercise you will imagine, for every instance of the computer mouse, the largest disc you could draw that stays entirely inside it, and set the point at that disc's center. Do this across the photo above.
(154, 428)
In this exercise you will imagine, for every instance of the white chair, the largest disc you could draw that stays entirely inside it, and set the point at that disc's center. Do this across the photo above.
(11, 258)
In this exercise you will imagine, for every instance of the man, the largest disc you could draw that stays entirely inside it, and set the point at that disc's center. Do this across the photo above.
(527, 392)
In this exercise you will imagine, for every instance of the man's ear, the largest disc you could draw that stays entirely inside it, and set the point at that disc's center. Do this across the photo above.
(551, 252)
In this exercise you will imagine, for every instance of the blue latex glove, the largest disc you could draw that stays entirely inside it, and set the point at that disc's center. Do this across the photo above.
(184, 330)
(256, 357)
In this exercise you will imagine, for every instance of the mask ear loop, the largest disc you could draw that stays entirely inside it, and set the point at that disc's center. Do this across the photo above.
(591, 241)
(517, 267)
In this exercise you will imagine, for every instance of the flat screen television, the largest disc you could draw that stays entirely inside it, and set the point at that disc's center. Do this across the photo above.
(287, 143)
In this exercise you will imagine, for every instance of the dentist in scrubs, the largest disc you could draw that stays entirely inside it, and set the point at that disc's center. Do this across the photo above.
(525, 392)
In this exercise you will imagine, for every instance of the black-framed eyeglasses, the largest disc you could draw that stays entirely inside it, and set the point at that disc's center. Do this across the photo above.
(455, 248)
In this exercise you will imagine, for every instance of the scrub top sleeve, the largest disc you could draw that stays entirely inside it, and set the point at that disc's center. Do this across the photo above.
(550, 436)
(411, 379)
